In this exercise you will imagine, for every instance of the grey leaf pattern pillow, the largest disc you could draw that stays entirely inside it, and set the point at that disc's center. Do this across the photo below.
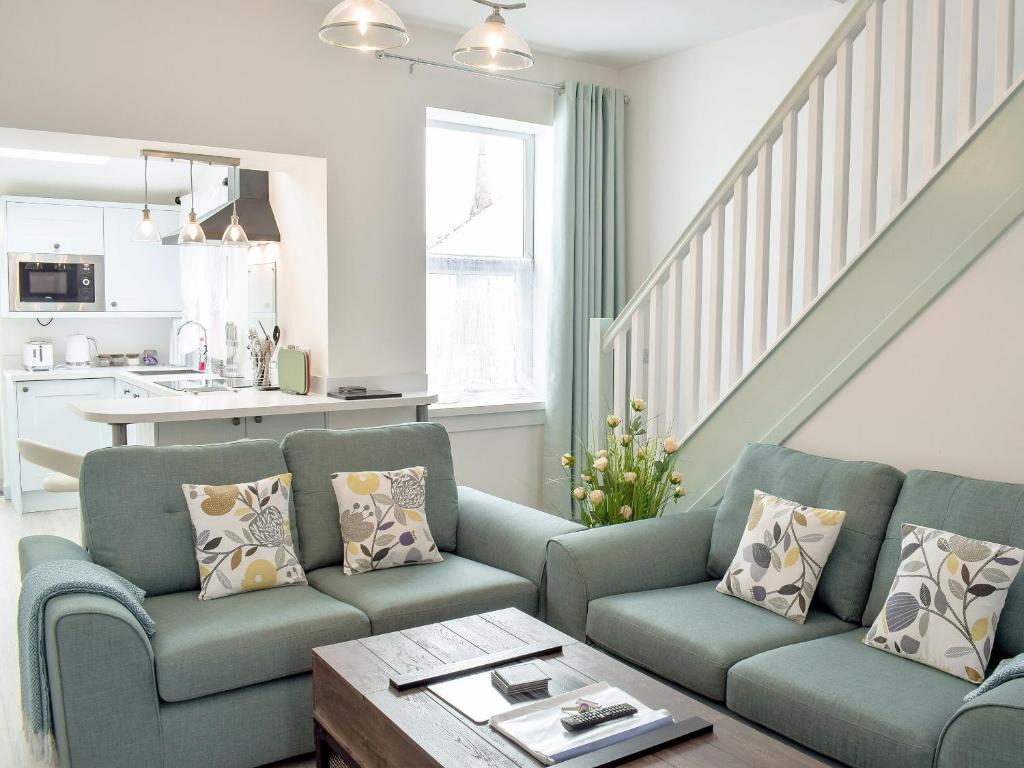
(384, 519)
(944, 604)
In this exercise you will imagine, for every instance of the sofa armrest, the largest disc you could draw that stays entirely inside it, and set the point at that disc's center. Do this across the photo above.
(33, 550)
(506, 535)
(987, 731)
(667, 551)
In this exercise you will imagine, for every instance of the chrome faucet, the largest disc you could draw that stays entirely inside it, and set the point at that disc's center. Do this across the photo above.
(203, 346)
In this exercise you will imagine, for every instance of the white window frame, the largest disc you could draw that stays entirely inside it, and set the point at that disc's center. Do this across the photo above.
(524, 268)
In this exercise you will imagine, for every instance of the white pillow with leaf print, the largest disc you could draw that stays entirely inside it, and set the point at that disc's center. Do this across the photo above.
(384, 519)
(781, 555)
(944, 604)
(242, 538)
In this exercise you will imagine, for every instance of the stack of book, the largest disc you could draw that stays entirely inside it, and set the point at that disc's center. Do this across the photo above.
(520, 678)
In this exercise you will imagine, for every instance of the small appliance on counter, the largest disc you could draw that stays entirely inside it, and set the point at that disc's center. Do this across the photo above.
(37, 355)
(78, 350)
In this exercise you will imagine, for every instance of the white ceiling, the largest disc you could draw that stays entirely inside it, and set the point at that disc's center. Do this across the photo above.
(615, 33)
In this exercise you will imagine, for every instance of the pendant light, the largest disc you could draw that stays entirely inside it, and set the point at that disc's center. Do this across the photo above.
(365, 25)
(234, 235)
(494, 45)
(192, 233)
(146, 231)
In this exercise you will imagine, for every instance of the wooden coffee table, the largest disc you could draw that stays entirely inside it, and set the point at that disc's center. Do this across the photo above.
(362, 722)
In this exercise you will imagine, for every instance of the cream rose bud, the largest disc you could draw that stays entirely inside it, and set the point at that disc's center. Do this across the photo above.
(568, 460)
(676, 478)
(579, 493)
(586, 478)
(629, 477)
(637, 404)
(625, 439)
(597, 497)
(602, 452)
(679, 492)
(601, 463)
(671, 445)
(613, 421)
(626, 511)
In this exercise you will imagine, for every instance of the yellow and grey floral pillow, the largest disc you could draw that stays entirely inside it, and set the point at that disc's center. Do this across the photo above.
(782, 553)
(384, 519)
(242, 538)
(944, 604)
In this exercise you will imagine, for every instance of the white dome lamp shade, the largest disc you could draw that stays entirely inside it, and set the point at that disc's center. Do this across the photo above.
(364, 25)
(192, 233)
(493, 45)
(146, 230)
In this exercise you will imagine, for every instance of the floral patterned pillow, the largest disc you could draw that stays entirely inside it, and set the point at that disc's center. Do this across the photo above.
(781, 555)
(384, 519)
(944, 604)
(242, 538)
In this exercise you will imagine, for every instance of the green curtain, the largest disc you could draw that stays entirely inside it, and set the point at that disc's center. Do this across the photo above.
(589, 271)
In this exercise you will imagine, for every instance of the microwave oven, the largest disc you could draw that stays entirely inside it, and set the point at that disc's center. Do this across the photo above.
(43, 282)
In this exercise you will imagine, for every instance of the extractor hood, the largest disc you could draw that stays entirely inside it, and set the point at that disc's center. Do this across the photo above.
(254, 212)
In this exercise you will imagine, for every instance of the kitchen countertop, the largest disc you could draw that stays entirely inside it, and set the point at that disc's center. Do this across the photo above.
(169, 405)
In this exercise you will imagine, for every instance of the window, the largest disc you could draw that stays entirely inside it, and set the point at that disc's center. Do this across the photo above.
(480, 261)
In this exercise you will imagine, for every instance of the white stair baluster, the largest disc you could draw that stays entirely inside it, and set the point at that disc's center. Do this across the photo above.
(935, 59)
(762, 246)
(673, 338)
(716, 296)
(637, 351)
(620, 370)
(691, 352)
(1005, 11)
(841, 172)
(872, 93)
(967, 112)
(901, 110)
(787, 225)
(812, 212)
(655, 354)
(738, 290)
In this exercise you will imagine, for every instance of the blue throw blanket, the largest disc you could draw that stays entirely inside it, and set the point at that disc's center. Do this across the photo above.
(1008, 669)
(46, 580)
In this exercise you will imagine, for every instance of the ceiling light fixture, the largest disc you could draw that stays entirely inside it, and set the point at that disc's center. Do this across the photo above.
(494, 45)
(234, 235)
(192, 233)
(365, 25)
(146, 231)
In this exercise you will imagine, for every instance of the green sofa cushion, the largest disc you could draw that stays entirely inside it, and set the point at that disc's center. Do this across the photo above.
(979, 509)
(208, 646)
(866, 491)
(399, 598)
(692, 635)
(314, 455)
(134, 517)
(856, 704)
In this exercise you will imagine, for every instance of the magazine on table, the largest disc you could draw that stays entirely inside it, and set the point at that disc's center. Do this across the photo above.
(538, 728)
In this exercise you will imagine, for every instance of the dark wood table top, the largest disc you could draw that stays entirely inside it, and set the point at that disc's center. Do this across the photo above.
(380, 727)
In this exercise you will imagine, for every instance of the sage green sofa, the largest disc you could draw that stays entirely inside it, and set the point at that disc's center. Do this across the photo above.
(815, 683)
(226, 683)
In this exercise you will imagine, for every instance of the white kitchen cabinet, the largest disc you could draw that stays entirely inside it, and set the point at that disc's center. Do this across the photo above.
(276, 427)
(141, 277)
(138, 434)
(54, 228)
(44, 416)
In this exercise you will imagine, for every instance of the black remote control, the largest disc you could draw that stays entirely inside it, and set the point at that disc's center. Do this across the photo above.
(584, 720)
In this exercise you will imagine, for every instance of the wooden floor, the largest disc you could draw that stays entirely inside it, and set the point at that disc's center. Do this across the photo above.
(13, 747)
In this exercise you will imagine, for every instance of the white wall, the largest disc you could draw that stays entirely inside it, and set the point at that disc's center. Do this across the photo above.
(690, 117)
(945, 394)
(251, 74)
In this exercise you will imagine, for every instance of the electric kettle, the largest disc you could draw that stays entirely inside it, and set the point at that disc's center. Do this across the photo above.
(77, 350)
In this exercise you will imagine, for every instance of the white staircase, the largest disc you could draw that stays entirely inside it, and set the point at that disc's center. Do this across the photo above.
(869, 190)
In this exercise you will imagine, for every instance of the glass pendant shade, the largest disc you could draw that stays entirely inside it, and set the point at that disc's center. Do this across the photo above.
(192, 233)
(365, 25)
(146, 231)
(493, 46)
(234, 235)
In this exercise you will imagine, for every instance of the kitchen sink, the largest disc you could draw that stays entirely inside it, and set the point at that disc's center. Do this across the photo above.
(199, 384)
